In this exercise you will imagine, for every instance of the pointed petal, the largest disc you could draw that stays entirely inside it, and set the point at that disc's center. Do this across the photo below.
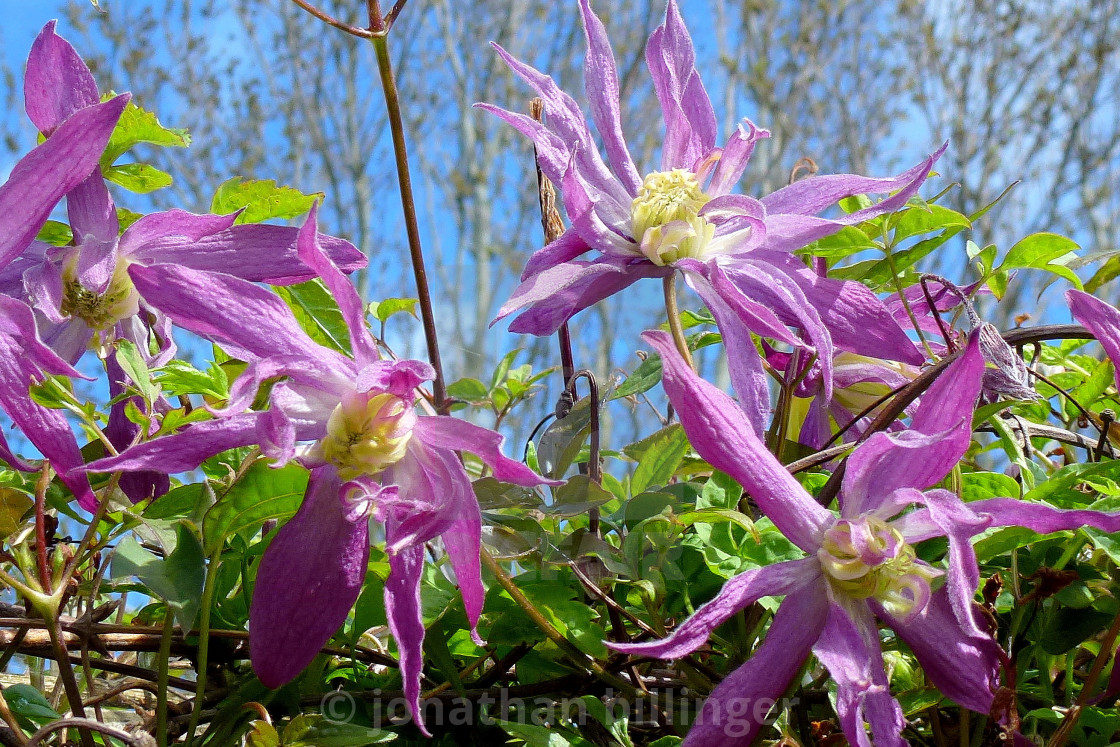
(566, 120)
(736, 154)
(849, 648)
(762, 679)
(185, 450)
(446, 432)
(463, 542)
(556, 295)
(92, 215)
(433, 490)
(951, 399)
(307, 581)
(400, 377)
(349, 303)
(57, 82)
(552, 153)
(811, 196)
(721, 434)
(24, 355)
(886, 462)
(689, 118)
(235, 313)
(601, 86)
(743, 362)
(855, 317)
(564, 249)
(963, 667)
(1010, 512)
(789, 577)
(42, 289)
(40, 179)
(959, 522)
(1102, 319)
(402, 607)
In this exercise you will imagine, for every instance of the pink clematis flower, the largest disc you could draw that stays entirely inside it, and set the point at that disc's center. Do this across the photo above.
(351, 421)
(734, 251)
(860, 566)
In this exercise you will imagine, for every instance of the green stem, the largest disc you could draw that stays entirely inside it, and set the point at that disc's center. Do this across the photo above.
(408, 205)
(669, 285)
(905, 302)
(203, 643)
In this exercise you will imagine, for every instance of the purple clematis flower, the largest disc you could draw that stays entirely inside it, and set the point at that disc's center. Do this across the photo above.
(734, 251)
(1102, 319)
(352, 422)
(84, 291)
(861, 565)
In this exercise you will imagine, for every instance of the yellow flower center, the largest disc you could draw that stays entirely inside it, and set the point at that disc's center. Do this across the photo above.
(367, 433)
(866, 558)
(665, 217)
(101, 311)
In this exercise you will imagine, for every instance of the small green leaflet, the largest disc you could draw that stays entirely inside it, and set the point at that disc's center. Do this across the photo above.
(262, 199)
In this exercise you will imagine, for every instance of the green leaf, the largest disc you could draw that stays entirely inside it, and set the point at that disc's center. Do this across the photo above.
(1109, 271)
(29, 705)
(658, 457)
(262, 199)
(261, 734)
(542, 736)
(313, 730)
(130, 360)
(562, 440)
(919, 220)
(1068, 627)
(13, 505)
(177, 579)
(382, 310)
(317, 313)
(140, 178)
(469, 390)
(181, 378)
(137, 125)
(847, 241)
(1044, 251)
(644, 378)
(55, 233)
(262, 493)
(577, 496)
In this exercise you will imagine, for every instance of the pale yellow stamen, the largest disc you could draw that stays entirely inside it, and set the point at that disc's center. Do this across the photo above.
(366, 434)
(885, 569)
(101, 311)
(665, 217)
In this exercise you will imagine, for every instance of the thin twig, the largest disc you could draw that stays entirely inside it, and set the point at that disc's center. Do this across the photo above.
(332, 21)
(84, 725)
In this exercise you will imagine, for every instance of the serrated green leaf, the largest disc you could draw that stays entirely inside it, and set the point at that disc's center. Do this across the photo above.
(137, 125)
(262, 493)
(140, 178)
(658, 457)
(1044, 251)
(262, 200)
(317, 313)
(181, 378)
(562, 440)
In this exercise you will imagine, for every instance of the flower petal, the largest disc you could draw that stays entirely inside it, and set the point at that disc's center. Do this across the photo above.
(307, 581)
(743, 362)
(40, 179)
(256, 252)
(1102, 319)
(402, 607)
(185, 450)
(601, 86)
(446, 432)
(122, 432)
(963, 667)
(735, 710)
(567, 247)
(349, 303)
(735, 156)
(57, 82)
(721, 434)
(246, 319)
(849, 649)
(1010, 512)
(788, 577)
(811, 196)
